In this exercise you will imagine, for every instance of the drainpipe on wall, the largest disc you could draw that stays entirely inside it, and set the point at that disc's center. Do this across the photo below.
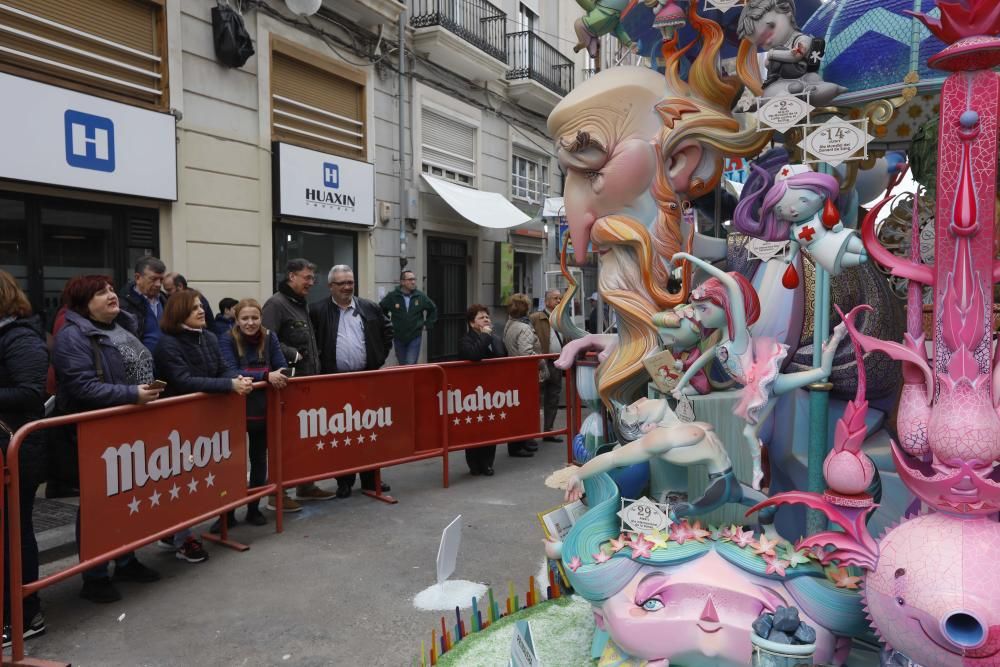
(402, 148)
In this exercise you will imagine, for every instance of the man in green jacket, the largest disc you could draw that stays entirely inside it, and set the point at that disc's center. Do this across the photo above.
(411, 311)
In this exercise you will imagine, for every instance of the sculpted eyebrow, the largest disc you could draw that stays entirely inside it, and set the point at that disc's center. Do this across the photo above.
(581, 142)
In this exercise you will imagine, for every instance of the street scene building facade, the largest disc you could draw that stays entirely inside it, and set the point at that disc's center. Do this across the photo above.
(132, 137)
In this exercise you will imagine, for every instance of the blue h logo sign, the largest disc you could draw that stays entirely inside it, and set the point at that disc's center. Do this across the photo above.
(331, 175)
(90, 141)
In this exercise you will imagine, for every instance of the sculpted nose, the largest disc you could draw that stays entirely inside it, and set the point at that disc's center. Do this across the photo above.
(708, 613)
(963, 629)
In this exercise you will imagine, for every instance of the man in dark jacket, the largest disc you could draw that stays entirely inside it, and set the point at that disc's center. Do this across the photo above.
(411, 311)
(143, 300)
(287, 315)
(354, 335)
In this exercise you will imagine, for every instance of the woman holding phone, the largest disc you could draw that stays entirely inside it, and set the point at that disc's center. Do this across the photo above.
(100, 363)
(253, 351)
(188, 358)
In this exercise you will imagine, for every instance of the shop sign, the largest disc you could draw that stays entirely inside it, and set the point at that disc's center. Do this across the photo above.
(320, 186)
(61, 137)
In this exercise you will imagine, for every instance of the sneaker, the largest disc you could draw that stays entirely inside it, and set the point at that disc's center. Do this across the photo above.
(35, 628)
(136, 571)
(100, 590)
(288, 504)
(313, 492)
(192, 551)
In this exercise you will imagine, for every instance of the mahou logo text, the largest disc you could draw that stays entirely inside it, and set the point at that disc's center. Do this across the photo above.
(128, 466)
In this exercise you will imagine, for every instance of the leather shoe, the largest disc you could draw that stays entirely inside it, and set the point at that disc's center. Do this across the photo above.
(523, 454)
(552, 438)
(488, 472)
(475, 472)
(385, 488)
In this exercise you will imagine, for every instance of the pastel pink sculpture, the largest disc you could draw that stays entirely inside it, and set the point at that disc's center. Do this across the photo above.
(932, 587)
(847, 471)
(934, 593)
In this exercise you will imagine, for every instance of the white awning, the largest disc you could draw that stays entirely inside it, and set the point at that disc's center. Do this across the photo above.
(486, 209)
(554, 207)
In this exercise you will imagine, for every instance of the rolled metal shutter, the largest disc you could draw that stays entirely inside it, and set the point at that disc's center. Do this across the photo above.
(111, 48)
(448, 147)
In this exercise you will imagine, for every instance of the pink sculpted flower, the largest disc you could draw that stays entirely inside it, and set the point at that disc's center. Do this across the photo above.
(575, 563)
(765, 546)
(843, 579)
(641, 548)
(618, 544)
(742, 538)
(601, 557)
(775, 565)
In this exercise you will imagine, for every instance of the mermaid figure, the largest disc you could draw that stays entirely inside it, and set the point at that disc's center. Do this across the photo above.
(651, 430)
(728, 302)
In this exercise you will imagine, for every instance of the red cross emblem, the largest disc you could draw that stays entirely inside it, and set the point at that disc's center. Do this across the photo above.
(807, 234)
(785, 171)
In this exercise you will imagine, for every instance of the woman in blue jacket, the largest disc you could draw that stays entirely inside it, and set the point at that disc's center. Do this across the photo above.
(189, 360)
(253, 351)
(100, 363)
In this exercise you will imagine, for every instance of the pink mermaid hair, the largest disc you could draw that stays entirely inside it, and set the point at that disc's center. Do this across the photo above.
(713, 291)
(762, 189)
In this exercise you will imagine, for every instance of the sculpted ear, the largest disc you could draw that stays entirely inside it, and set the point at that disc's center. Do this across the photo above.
(682, 165)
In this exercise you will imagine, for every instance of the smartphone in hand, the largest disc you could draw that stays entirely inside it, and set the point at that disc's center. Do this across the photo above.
(287, 372)
(157, 384)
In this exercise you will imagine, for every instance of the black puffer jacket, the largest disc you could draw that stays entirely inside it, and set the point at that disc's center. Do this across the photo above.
(24, 365)
(287, 315)
(192, 361)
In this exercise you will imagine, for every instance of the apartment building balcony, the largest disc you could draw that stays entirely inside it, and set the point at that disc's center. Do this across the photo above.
(539, 75)
(464, 36)
(367, 14)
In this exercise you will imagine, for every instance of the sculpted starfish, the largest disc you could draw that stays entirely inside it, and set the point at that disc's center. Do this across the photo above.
(658, 539)
(795, 556)
(618, 544)
(842, 579)
(765, 546)
(775, 565)
(641, 548)
(742, 538)
(699, 533)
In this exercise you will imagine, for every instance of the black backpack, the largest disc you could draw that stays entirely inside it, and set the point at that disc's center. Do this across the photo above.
(233, 45)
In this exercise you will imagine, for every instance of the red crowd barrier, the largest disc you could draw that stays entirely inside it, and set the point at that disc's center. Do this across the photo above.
(147, 472)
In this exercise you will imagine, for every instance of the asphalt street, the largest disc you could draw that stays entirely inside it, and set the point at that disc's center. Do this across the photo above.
(336, 588)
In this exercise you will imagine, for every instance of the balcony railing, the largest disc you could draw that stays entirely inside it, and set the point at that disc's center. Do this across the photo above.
(478, 22)
(530, 57)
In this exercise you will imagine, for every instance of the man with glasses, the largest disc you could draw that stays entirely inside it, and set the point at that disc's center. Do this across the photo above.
(354, 335)
(411, 311)
(287, 315)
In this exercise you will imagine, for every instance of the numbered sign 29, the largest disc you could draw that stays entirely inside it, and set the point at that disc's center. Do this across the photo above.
(643, 516)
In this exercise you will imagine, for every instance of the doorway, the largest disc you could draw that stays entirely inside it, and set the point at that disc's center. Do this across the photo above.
(447, 286)
(45, 241)
(324, 248)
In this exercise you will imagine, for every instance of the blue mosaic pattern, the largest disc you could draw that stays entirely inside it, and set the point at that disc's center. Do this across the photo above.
(870, 43)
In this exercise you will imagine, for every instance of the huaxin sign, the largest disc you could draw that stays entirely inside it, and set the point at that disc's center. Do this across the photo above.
(310, 184)
(148, 470)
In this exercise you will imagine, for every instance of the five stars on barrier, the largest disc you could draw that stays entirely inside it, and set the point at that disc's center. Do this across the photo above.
(359, 439)
(492, 416)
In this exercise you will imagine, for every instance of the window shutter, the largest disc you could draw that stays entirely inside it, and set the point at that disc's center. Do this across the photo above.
(315, 108)
(449, 147)
(111, 48)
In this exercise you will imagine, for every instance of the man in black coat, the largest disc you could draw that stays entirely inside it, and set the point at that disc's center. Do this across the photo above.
(143, 299)
(353, 334)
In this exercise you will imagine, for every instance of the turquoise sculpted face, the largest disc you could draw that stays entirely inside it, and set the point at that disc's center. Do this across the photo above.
(798, 205)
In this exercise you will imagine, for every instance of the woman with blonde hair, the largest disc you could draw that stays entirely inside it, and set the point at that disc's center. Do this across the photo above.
(253, 351)
(520, 339)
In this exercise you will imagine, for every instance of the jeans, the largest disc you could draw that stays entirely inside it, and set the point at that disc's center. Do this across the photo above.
(407, 353)
(257, 431)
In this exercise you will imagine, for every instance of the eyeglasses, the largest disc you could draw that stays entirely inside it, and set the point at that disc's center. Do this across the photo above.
(343, 283)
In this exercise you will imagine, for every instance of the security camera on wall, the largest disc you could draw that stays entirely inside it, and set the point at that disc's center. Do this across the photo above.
(304, 7)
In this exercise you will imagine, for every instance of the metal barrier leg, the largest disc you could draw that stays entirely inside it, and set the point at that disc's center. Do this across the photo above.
(377, 493)
(223, 537)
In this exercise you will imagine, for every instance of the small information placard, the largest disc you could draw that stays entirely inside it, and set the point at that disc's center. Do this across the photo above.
(837, 141)
(723, 5)
(643, 516)
(766, 250)
(685, 409)
(783, 112)
(522, 647)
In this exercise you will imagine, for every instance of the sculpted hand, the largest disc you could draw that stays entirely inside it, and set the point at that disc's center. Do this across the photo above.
(147, 394)
(599, 343)
(574, 489)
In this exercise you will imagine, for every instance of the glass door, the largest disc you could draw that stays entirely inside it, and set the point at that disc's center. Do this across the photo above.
(323, 248)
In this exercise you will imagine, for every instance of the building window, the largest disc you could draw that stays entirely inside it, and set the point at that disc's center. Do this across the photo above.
(449, 148)
(316, 103)
(529, 178)
(111, 48)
